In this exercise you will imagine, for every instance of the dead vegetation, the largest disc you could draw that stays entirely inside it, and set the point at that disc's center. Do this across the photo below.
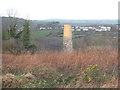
(75, 61)
(64, 63)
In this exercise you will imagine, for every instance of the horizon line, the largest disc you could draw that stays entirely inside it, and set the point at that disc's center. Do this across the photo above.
(60, 19)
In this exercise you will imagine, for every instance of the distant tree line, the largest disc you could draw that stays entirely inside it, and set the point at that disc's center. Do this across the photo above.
(53, 25)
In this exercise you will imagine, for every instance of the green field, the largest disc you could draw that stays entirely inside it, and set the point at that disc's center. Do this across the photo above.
(43, 33)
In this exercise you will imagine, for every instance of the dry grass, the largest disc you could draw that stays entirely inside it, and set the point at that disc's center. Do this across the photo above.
(74, 62)
(66, 63)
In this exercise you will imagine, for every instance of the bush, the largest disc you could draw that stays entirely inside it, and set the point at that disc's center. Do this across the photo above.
(12, 69)
(91, 74)
(32, 48)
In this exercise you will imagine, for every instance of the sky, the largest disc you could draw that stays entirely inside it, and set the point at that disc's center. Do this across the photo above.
(61, 9)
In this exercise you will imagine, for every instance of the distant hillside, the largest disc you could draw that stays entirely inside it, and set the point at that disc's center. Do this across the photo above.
(34, 23)
(87, 22)
(80, 22)
(20, 22)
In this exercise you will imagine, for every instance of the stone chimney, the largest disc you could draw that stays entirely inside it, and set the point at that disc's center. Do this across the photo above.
(67, 38)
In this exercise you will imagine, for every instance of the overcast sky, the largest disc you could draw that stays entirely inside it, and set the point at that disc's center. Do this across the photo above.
(61, 9)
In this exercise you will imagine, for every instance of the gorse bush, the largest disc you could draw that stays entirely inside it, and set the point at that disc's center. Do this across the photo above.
(91, 74)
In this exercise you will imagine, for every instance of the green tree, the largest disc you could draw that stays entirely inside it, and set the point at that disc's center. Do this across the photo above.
(13, 34)
(21, 38)
(12, 31)
(26, 34)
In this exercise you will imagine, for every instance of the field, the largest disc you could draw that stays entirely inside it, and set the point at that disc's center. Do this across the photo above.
(43, 33)
(61, 70)
(92, 64)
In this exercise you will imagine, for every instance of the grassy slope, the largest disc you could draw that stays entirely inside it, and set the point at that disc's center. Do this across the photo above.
(61, 69)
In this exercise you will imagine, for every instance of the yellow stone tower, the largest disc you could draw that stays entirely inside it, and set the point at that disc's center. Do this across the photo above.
(67, 39)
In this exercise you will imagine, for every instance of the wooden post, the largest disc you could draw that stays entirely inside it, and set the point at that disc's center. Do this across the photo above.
(67, 39)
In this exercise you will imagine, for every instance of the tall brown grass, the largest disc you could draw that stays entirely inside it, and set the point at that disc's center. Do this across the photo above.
(65, 62)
